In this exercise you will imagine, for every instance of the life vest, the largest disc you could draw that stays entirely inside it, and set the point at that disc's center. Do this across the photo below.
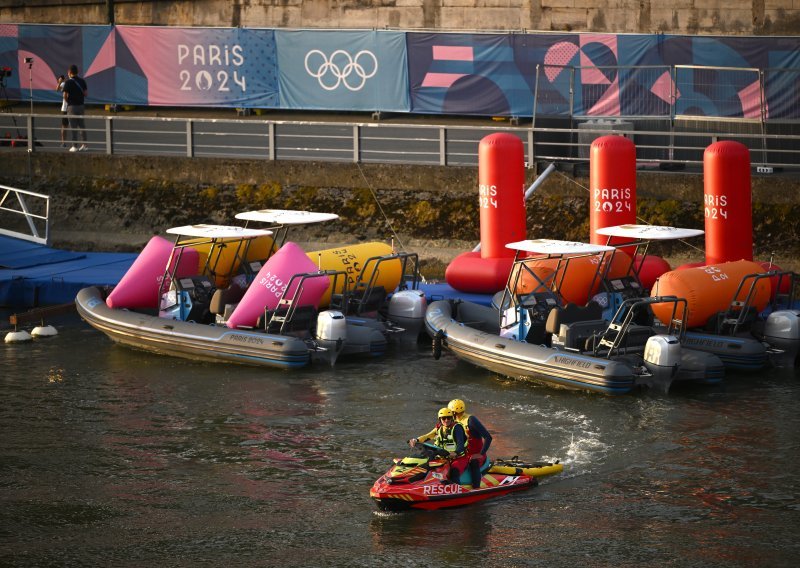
(474, 445)
(444, 439)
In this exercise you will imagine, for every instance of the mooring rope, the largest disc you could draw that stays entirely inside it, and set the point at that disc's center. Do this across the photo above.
(642, 221)
(380, 207)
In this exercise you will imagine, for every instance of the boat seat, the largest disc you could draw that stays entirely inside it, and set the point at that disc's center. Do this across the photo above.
(635, 338)
(365, 301)
(572, 313)
(302, 320)
(224, 297)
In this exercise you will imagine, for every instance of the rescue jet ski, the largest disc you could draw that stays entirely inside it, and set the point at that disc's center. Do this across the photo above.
(421, 482)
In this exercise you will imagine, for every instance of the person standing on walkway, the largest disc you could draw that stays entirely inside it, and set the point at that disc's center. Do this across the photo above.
(75, 93)
(64, 121)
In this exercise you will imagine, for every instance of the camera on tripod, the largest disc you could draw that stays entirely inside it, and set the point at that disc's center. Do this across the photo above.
(29, 60)
(5, 72)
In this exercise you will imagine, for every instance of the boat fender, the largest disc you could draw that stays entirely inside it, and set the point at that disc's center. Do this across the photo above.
(437, 344)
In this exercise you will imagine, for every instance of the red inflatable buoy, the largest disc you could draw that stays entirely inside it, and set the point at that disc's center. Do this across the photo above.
(501, 200)
(649, 270)
(612, 186)
(727, 202)
(501, 179)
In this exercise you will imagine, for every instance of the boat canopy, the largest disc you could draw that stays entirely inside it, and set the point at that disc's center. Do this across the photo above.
(649, 232)
(556, 247)
(286, 216)
(218, 232)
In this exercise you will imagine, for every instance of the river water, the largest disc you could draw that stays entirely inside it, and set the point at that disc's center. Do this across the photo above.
(114, 457)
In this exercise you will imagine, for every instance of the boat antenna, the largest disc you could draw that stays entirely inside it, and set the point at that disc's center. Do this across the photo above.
(375, 197)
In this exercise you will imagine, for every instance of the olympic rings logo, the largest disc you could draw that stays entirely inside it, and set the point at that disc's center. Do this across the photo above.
(340, 67)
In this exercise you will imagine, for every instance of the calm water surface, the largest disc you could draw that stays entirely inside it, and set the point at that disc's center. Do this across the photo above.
(113, 457)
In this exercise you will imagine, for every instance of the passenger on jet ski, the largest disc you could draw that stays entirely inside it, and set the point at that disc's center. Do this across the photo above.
(478, 442)
(442, 434)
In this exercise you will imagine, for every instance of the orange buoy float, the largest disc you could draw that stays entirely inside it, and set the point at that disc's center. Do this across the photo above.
(577, 278)
(708, 290)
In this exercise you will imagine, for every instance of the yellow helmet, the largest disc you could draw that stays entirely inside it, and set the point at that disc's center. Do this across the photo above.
(457, 405)
(445, 412)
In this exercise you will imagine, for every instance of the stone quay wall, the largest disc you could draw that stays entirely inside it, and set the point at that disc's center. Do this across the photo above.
(696, 17)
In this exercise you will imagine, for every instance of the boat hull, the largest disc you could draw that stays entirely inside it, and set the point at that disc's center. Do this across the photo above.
(520, 360)
(191, 340)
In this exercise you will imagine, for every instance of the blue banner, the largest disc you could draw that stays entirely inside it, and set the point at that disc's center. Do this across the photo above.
(468, 74)
(511, 74)
(342, 70)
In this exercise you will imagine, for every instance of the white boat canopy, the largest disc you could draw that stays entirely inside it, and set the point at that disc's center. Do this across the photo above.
(556, 247)
(649, 232)
(286, 216)
(218, 232)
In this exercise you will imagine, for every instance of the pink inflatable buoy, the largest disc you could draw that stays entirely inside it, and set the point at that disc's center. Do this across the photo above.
(271, 283)
(138, 289)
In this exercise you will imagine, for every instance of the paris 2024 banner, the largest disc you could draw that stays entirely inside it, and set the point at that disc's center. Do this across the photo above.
(519, 74)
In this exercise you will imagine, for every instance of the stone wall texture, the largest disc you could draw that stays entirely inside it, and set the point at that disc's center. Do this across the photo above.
(730, 17)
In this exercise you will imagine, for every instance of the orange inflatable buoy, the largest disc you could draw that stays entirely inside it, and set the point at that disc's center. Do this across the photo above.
(577, 280)
(709, 290)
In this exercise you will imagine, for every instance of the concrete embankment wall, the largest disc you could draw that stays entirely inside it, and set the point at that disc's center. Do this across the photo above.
(735, 17)
(116, 202)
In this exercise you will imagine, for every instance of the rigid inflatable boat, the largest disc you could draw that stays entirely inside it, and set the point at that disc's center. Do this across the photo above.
(739, 311)
(422, 482)
(535, 337)
(205, 298)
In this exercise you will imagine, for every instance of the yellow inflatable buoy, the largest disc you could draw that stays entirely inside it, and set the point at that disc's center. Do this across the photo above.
(224, 260)
(359, 260)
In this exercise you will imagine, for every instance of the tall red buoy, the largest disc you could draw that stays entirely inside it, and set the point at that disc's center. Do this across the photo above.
(501, 195)
(501, 179)
(727, 202)
(612, 186)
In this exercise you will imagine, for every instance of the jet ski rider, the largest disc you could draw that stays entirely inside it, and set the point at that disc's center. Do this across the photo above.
(478, 442)
(443, 434)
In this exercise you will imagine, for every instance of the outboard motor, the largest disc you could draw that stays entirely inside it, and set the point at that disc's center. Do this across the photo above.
(331, 334)
(662, 357)
(407, 310)
(782, 331)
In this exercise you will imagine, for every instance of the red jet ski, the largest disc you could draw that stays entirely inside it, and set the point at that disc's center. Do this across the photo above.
(422, 482)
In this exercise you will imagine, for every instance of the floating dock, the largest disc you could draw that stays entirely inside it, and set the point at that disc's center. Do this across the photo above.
(34, 275)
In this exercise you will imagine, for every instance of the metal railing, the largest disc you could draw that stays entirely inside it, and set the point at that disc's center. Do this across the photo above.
(659, 140)
(27, 211)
